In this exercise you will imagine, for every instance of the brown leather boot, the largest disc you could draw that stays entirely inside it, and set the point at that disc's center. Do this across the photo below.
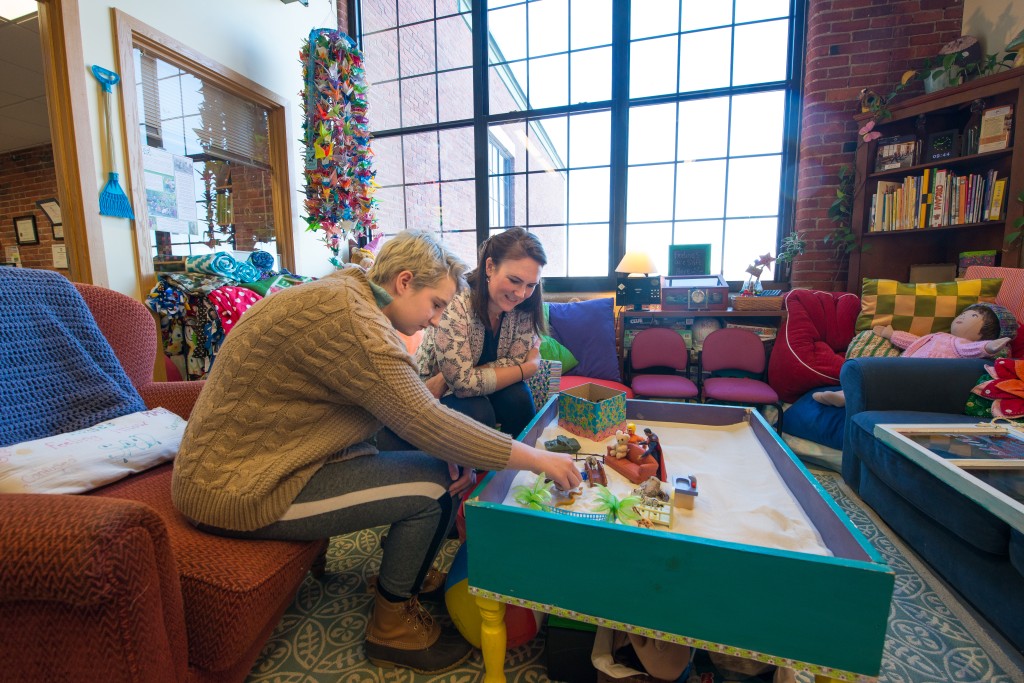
(404, 634)
(431, 589)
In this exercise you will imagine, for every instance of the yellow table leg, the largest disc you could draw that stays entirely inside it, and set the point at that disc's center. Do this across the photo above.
(493, 639)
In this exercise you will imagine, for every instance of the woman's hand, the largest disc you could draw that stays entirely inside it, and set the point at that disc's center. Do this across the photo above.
(531, 366)
(463, 480)
(556, 466)
(437, 385)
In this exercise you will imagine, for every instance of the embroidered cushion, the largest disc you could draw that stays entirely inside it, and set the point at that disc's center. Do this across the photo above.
(867, 343)
(79, 461)
(921, 308)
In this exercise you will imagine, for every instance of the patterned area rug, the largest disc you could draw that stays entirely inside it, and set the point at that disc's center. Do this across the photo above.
(932, 636)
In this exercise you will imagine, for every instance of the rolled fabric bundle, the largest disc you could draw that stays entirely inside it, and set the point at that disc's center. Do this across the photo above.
(219, 263)
(247, 272)
(262, 260)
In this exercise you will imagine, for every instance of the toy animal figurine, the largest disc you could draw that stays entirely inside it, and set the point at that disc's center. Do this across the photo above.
(595, 471)
(652, 489)
(621, 447)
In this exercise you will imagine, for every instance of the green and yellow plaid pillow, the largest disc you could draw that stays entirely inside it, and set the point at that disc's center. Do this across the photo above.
(921, 308)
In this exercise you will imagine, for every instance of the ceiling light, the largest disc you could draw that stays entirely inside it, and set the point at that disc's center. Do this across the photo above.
(16, 9)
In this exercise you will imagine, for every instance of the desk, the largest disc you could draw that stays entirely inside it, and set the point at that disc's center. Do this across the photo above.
(824, 614)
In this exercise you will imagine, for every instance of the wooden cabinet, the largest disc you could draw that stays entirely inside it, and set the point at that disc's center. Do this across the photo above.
(890, 253)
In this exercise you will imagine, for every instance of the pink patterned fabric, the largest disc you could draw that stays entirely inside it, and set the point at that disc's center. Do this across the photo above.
(1011, 295)
(938, 345)
(231, 302)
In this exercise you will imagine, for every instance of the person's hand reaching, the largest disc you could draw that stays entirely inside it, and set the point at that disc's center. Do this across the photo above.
(437, 385)
(463, 479)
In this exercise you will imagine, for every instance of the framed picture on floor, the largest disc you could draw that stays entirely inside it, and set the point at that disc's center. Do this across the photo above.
(25, 231)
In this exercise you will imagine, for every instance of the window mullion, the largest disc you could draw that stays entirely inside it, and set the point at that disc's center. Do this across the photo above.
(620, 129)
(480, 112)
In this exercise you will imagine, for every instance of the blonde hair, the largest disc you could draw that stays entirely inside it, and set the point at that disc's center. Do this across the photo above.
(423, 255)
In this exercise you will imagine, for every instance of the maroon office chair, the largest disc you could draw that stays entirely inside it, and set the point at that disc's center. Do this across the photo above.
(663, 352)
(735, 359)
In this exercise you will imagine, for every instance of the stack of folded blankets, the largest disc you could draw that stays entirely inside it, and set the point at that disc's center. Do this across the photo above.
(200, 298)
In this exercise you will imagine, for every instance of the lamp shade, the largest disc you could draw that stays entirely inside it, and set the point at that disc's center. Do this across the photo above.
(636, 262)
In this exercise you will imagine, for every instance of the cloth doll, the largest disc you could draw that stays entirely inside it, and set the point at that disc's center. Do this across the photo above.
(980, 331)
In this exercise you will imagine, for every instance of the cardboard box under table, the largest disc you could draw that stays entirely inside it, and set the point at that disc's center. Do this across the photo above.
(820, 613)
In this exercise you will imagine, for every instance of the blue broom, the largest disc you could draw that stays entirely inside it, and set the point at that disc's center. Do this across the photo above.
(113, 201)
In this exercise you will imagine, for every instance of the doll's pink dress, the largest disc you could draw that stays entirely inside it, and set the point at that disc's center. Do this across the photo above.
(938, 345)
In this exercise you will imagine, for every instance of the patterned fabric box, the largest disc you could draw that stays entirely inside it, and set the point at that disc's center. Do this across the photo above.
(592, 411)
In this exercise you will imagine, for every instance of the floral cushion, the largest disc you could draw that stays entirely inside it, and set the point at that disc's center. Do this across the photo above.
(1000, 392)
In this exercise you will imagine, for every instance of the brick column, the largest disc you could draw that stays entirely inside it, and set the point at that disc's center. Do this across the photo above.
(851, 45)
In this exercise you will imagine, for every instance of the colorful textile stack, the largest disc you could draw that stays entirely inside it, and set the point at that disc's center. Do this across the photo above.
(1001, 393)
(338, 159)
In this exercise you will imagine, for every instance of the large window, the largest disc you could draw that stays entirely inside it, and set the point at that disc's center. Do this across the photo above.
(599, 125)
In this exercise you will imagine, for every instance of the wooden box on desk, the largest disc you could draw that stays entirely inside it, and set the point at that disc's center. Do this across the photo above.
(764, 603)
(695, 293)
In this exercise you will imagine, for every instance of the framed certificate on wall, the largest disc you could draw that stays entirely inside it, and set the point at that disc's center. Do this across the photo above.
(25, 231)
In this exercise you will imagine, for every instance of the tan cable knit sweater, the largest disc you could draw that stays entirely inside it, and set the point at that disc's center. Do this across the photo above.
(308, 375)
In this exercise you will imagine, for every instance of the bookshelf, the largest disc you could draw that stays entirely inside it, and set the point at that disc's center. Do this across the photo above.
(895, 233)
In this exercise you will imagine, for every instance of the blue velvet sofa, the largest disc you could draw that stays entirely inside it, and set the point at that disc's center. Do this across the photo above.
(977, 553)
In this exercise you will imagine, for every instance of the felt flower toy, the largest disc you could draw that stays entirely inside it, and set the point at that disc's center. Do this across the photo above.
(868, 132)
(1005, 389)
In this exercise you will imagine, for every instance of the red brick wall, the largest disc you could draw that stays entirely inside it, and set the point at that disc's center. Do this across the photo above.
(851, 45)
(26, 176)
(252, 206)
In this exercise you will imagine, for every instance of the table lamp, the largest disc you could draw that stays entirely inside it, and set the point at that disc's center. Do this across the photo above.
(635, 287)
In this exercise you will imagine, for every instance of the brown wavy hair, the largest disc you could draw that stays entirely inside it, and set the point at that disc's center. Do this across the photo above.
(511, 245)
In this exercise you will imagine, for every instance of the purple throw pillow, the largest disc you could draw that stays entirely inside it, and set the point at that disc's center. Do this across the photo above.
(587, 328)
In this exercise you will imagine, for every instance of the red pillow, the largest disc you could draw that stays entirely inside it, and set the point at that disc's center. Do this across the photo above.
(811, 344)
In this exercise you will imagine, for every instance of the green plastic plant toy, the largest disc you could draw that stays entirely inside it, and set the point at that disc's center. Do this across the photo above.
(615, 509)
(534, 497)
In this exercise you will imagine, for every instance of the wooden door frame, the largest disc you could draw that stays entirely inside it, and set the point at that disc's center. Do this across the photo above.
(131, 32)
(74, 160)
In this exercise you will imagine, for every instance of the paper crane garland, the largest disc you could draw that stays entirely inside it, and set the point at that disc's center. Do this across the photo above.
(338, 165)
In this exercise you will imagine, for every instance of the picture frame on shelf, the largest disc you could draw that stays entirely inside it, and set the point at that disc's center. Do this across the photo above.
(996, 124)
(25, 231)
(689, 259)
(941, 145)
(896, 152)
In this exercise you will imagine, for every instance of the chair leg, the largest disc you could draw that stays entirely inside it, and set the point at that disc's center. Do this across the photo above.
(319, 566)
(778, 422)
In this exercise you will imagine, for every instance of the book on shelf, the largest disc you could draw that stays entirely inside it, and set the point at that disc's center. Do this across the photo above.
(765, 332)
(995, 129)
(998, 193)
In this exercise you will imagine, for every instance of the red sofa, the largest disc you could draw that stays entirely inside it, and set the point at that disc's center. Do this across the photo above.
(115, 585)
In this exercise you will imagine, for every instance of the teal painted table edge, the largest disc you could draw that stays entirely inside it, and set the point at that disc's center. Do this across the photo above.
(826, 615)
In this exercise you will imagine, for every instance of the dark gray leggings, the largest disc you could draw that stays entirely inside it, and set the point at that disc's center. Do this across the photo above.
(406, 489)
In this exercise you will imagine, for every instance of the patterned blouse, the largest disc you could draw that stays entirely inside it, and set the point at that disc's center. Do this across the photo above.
(455, 345)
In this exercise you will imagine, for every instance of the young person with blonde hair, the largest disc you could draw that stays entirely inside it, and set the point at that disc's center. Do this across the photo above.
(279, 443)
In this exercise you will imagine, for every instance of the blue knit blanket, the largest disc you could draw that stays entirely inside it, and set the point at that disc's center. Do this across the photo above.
(58, 374)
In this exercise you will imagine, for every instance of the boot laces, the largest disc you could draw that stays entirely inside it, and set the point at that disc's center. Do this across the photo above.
(417, 615)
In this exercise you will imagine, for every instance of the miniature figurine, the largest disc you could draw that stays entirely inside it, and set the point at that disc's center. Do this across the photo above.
(633, 438)
(594, 471)
(653, 449)
(562, 444)
(685, 492)
(652, 489)
(621, 447)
